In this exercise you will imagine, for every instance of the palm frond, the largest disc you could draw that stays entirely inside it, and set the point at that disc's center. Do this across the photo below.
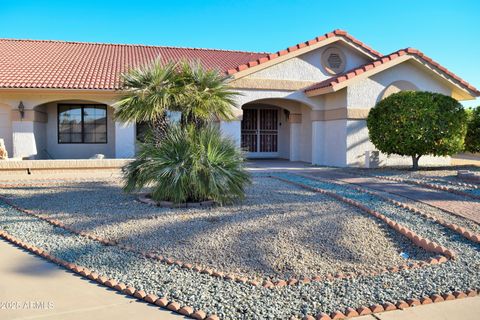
(190, 164)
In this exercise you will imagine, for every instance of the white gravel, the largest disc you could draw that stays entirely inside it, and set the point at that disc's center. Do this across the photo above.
(236, 301)
(280, 231)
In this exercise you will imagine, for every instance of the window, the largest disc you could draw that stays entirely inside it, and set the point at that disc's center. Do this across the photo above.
(82, 123)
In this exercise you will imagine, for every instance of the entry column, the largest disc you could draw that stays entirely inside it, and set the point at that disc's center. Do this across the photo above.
(233, 128)
(317, 118)
(295, 121)
(124, 140)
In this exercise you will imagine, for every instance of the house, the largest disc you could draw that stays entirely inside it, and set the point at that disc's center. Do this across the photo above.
(306, 103)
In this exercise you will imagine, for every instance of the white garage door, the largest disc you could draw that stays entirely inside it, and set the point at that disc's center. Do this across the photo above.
(6, 128)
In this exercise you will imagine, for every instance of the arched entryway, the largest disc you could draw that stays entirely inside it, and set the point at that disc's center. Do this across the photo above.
(273, 129)
(261, 127)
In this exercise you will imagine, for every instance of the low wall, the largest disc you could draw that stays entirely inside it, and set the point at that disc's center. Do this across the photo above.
(28, 167)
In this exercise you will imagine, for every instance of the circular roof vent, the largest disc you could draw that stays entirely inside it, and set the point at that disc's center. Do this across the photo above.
(333, 60)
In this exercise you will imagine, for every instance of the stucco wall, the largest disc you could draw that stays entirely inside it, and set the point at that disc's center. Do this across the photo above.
(231, 129)
(40, 132)
(367, 92)
(335, 100)
(335, 143)
(79, 150)
(306, 135)
(6, 127)
(308, 66)
(283, 135)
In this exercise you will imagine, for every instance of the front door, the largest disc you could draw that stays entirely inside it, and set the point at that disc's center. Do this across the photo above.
(260, 133)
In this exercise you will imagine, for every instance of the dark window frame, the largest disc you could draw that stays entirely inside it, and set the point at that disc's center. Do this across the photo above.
(82, 106)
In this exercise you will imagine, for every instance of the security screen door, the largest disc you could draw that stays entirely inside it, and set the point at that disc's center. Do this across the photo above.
(260, 133)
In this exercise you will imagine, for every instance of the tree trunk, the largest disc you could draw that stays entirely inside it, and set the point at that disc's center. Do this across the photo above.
(415, 162)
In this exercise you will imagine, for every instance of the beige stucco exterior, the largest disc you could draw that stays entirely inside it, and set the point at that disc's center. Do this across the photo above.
(34, 135)
(324, 127)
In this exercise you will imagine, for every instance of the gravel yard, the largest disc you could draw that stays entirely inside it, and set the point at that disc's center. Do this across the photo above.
(227, 299)
(280, 231)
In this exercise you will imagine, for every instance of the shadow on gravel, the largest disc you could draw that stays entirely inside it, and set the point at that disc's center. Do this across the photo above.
(319, 237)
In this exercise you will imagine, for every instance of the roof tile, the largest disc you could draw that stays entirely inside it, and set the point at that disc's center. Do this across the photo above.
(79, 65)
(340, 33)
(358, 70)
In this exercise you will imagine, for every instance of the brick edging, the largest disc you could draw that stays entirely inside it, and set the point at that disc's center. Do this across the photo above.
(424, 243)
(456, 228)
(162, 302)
(265, 282)
(199, 314)
(400, 305)
(424, 184)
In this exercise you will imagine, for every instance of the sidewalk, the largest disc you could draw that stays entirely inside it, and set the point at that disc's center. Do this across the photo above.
(463, 309)
(53, 293)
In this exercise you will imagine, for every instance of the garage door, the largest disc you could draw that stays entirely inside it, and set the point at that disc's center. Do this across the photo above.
(6, 128)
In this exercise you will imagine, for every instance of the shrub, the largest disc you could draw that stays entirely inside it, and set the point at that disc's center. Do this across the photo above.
(189, 164)
(414, 124)
(472, 139)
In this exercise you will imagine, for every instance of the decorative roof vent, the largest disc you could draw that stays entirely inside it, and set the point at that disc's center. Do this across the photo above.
(333, 60)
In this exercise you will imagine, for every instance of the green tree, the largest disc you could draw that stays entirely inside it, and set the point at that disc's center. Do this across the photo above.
(414, 124)
(472, 139)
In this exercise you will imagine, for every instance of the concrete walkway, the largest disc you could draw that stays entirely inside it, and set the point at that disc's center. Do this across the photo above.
(32, 288)
(447, 201)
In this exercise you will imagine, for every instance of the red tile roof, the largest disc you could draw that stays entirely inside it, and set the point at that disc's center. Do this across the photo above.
(78, 65)
(330, 82)
(338, 33)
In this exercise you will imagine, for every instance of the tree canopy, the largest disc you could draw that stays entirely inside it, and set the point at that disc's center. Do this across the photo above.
(411, 123)
(472, 139)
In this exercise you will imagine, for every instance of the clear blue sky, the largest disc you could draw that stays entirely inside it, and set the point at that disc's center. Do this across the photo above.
(447, 31)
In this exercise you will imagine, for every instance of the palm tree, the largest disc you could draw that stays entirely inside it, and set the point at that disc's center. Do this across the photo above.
(150, 91)
(190, 161)
(190, 164)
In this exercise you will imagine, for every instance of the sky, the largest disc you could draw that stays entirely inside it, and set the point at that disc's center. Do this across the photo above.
(446, 31)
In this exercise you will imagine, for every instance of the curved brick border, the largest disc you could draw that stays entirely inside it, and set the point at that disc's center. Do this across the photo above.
(454, 183)
(460, 230)
(401, 304)
(418, 240)
(266, 282)
(423, 184)
(188, 311)
(111, 283)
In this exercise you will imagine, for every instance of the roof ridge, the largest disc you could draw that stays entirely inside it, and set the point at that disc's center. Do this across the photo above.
(383, 59)
(130, 45)
(271, 56)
